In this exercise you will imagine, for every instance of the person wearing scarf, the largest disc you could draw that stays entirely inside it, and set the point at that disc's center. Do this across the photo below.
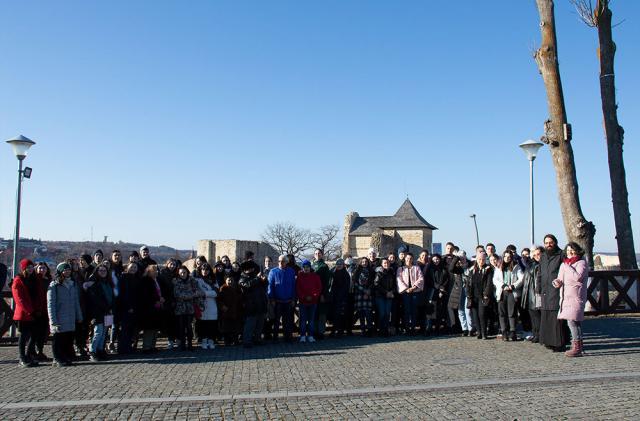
(571, 282)
(63, 307)
(25, 296)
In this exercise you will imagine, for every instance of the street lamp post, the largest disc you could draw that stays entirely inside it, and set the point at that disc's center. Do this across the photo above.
(20, 145)
(530, 148)
(476, 225)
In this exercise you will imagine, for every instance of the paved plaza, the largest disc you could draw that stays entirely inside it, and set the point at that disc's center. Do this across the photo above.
(353, 377)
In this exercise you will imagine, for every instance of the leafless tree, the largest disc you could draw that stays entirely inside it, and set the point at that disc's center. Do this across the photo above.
(600, 17)
(287, 238)
(558, 134)
(327, 239)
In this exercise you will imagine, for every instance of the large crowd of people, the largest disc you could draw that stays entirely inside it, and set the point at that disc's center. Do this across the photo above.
(94, 307)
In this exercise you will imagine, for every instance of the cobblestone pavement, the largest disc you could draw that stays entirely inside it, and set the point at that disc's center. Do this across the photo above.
(440, 378)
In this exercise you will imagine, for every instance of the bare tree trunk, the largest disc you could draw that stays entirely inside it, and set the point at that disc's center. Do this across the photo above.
(557, 135)
(615, 135)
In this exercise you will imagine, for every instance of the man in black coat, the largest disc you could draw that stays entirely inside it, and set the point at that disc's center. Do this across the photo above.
(552, 331)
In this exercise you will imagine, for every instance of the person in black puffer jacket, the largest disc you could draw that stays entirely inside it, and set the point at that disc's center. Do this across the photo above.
(384, 285)
(254, 298)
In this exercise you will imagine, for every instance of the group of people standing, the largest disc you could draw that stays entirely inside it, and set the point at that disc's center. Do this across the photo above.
(93, 306)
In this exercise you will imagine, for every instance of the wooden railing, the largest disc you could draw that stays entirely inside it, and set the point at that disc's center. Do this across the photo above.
(613, 291)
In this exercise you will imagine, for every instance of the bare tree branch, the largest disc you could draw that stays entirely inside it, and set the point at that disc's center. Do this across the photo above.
(287, 238)
(327, 239)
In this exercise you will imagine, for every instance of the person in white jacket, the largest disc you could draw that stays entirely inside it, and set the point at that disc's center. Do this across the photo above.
(207, 324)
(508, 279)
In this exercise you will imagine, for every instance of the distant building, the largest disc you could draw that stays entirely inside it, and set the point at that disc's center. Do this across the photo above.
(213, 250)
(387, 233)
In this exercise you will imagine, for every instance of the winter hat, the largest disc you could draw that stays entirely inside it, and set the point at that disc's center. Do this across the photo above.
(24, 263)
(62, 267)
(339, 262)
(98, 252)
(372, 250)
(144, 248)
(402, 249)
(306, 262)
(245, 266)
(86, 258)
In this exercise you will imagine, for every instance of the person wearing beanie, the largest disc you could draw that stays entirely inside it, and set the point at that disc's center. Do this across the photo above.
(308, 289)
(25, 295)
(98, 257)
(145, 258)
(63, 307)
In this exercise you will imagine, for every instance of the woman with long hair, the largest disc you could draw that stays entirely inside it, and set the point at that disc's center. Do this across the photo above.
(531, 299)
(186, 293)
(207, 324)
(507, 282)
(99, 307)
(410, 285)
(41, 320)
(363, 298)
(169, 323)
(571, 281)
(149, 308)
(479, 294)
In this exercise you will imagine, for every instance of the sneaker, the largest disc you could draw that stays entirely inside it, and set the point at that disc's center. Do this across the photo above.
(94, 358)
(311, 339)
(27, 363)
(211, 344)
(57, 363)
(42, 357)
(304, 339)
(111, 347)
(171, 345)
(204, 344)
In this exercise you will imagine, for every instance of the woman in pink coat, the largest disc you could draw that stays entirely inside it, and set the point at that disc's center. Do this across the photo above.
(571, 280)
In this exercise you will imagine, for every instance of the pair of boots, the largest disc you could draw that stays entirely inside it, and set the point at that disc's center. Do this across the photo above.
(207, 344)
(576, 349)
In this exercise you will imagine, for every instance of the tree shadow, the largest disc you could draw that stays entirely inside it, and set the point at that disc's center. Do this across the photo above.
(612, 336)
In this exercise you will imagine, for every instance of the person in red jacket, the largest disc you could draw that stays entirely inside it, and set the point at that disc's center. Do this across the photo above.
(308, 289)
(26, 296)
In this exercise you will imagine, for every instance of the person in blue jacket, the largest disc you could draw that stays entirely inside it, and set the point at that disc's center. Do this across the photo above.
(282, 294)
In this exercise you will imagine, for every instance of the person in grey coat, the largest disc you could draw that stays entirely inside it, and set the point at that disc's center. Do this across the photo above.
(63, 306)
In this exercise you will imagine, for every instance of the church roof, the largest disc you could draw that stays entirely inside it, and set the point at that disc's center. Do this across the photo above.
(406, 217)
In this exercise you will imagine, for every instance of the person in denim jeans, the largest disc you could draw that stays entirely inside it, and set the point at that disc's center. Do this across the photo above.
(99, 305)
(384, 285)
(308, 289)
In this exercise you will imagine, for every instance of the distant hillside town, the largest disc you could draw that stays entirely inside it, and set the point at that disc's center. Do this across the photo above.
(53, 252)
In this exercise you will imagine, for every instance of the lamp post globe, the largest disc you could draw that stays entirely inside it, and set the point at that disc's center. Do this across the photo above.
(530, 148)
(20, 145)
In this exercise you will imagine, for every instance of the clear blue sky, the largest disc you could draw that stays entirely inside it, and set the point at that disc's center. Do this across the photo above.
(167, 122)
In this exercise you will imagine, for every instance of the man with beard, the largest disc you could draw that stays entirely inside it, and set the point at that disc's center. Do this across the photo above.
(552, 333)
